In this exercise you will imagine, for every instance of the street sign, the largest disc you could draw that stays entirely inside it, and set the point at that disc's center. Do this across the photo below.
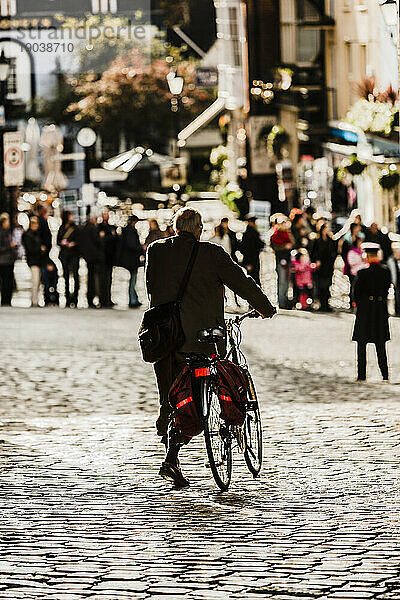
(206, 77)
(14, 171)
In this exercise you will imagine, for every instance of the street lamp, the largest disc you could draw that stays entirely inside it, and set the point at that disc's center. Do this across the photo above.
(175, 85)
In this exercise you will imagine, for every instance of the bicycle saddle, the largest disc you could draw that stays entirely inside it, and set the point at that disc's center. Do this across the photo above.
(211, 335)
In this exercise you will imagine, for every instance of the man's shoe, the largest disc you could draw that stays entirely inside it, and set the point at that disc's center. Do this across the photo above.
(173, 473)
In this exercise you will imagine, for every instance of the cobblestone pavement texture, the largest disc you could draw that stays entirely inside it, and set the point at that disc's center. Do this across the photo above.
(84, 514)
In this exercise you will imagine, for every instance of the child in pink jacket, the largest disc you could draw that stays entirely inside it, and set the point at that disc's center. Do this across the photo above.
(303, 270)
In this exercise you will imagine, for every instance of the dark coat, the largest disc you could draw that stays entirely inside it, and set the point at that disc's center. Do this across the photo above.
(326, 252)
(90, 244)
(382, 239)
(45, 234)
(109, 242)
(32, 242)
(71, 233)
(371, 289)
(8, 254)
(251, 246)
(203, 303)
(130, 249)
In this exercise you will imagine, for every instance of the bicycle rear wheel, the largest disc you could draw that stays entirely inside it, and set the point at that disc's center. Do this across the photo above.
(253, 451)
(217, 436)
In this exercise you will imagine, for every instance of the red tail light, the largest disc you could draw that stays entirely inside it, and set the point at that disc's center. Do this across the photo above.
(202, 372)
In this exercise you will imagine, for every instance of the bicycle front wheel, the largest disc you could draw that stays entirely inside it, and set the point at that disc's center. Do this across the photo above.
(253, 450)
(217, 436)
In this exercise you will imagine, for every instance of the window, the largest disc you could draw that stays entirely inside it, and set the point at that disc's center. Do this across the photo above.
(234, 35)
(308, 45)
(104, 6)
(307, 12)
(8, 8)
(347, 5)
(12, 78)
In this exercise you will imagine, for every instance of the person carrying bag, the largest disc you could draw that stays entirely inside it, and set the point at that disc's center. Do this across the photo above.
(161, 332)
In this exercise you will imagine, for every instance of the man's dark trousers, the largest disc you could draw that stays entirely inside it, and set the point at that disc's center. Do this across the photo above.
(362, 359)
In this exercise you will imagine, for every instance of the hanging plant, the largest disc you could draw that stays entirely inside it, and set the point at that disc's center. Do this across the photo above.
(229, 195)
(276, 140)
(389, 181)
(356, 167)
(219, 157)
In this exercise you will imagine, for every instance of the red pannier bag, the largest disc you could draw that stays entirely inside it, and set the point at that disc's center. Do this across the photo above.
(232, 392)
(185, 414)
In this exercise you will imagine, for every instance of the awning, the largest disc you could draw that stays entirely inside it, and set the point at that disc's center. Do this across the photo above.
(202, 120)
(140, 159)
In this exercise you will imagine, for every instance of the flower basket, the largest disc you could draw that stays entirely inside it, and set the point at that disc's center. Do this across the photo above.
(390, 181)
(356, 167)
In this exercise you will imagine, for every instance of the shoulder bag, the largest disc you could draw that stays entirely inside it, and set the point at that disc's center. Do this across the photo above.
(161, 331)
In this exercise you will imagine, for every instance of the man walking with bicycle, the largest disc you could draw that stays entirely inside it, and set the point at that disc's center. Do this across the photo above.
(211, 268)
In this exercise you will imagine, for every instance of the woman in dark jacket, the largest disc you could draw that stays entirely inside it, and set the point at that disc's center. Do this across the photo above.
(324, 253)
(7, 260)
(67, 240)
(35, 253)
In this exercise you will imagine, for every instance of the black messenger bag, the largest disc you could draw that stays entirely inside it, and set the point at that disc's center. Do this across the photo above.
(161, 331)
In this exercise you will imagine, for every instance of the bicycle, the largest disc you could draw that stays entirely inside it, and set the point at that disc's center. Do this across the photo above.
(219, 435)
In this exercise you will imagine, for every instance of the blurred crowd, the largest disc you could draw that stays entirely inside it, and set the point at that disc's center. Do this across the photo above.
(306, 252)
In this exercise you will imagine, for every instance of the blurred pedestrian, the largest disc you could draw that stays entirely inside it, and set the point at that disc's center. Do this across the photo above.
(234, 246)
(376, 236)
(222, 238)
(282, 244)
(7, 260)
(323, 254)
(16, 235)
(67, 240)
(250, 247)
(44, 229)
(108, 235)
(154, 234)
(92, 250)
(347, 242)
(303, 272)
(356, 262)
(298, 229)
(35, 257)
(130, 254)
(371, 289)
(50, 283)
(394, 268)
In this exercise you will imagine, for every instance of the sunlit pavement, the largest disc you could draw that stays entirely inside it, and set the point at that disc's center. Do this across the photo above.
(84, 514)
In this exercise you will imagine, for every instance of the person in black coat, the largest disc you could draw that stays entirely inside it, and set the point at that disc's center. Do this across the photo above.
(44, 229)
(67, 240)
(92, 249)
(323, 253)
(129, 255)
(251, 246)
(375, 235)
(371, 289)
(108, 235)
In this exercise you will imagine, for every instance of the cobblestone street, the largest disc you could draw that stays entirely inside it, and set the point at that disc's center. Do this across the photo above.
(85, 515)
